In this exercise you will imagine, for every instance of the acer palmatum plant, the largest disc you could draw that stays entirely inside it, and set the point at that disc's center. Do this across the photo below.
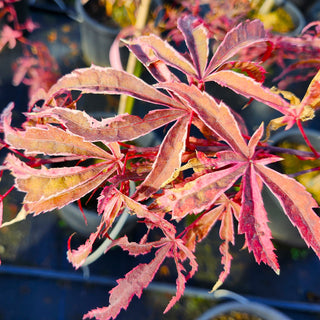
(229, 168)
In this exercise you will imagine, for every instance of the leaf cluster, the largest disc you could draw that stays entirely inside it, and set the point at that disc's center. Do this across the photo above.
(217, 176)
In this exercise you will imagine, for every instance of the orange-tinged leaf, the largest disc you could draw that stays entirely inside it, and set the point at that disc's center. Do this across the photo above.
(199, 194)
(48, 189)
(312, 96)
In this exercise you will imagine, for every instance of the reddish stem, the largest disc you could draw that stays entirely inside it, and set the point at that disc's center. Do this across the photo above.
(317, 155)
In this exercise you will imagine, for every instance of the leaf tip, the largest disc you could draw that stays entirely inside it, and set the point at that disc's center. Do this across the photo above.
(217, 285)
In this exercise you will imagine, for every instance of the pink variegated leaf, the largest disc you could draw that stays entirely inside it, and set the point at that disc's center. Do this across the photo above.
(133, 284)
(114, 53)
(180, 285)
(250, 88)
(165, 52)
(100, 80)
(303, 65)
(244, 35)
(157, 68)
(217, 117)
(78, 256)
(136, 249)
(180, 252)
(142, 212)
(226, 261)
(49, 140)
(254, 140)
(197, 42)
(253, 221)
(123, 127)
(199, 194)
(296, 202)
(52, 188)
(168, 159)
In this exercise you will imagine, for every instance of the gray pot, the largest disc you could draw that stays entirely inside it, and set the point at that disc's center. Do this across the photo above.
(96, 38)
(254, 309)
(296, 15)
(280, 226)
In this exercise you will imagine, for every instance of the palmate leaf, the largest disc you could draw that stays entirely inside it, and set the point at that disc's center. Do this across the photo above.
(123, 127)
(244, 35)
(49, 140)
(216, 116)
(199, 194)
(48, 189)
(100, 80)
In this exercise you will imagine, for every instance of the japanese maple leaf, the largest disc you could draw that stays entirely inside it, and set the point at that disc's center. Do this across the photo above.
(246, 163)
(50, 188)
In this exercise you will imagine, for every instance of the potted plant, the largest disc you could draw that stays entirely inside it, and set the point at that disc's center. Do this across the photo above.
(215, 175)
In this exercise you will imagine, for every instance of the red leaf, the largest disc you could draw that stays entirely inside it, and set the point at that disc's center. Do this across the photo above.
(133, 284)
(296, 202)
(253, 221)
